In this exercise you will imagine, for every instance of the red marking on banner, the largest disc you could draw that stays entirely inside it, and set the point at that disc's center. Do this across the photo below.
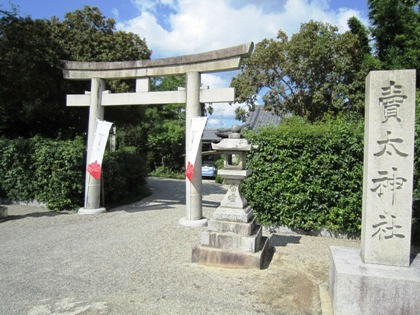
(95, 169)
(189, 171)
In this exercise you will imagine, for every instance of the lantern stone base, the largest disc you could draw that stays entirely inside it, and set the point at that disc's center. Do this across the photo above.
(233, 214)
(232, 244)
(231, 240)
(359, 288)
(231, 258)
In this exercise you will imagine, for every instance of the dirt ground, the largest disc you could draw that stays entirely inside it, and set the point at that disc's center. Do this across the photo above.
(137, 258)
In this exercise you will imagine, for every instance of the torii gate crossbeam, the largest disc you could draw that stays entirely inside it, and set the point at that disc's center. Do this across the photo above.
(142, 70)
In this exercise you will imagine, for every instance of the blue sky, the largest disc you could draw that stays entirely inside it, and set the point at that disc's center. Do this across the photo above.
(179, 27)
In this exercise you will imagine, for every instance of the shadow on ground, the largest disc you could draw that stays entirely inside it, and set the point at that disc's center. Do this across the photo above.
(29, 212)
(169, 193)
(283, 240)
(276, 240)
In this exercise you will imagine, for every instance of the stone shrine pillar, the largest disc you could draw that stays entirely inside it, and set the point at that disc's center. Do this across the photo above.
(93, 185)
(388, 168)
(233, 238)
(379, 279)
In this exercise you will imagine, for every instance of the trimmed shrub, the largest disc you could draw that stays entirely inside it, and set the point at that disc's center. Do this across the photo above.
(307, 176)
(59, 172)
(53, 171)
(17, 169)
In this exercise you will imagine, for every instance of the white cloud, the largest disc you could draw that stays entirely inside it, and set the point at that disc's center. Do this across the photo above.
(146, 26)
(344, 15)
(214, 122)
(221, 122)
(197, 26)
(145, 5)
(189, 26)
(214, 81)
(115, 13)
(224, 110)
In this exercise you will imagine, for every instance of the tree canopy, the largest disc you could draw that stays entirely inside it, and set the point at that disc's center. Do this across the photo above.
(320, 71)
(396, 32)
(87, 35)
(30, 87)
(356, 27)
(32, 93)
(315, 72)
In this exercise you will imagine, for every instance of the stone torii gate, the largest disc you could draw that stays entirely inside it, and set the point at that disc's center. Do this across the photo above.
(142, 70)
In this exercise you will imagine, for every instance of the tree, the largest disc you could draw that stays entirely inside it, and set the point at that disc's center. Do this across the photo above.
(162, 130)
(166, 136)
(30, 98)
(87, 35)
(316, 72)
(356, 27)
(396, 31)
(32, 90)
(164, 127)
(369, 61)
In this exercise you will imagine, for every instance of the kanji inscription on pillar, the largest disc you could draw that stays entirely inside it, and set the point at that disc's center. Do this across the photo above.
(388, 167)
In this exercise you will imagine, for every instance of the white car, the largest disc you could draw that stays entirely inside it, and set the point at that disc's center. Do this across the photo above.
(208, 169)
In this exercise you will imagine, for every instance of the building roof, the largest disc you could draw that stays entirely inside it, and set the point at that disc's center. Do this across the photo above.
(209, 135)
(261, 118)
(257, 119)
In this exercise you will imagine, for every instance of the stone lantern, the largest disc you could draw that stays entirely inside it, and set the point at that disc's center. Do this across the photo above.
(233, 237)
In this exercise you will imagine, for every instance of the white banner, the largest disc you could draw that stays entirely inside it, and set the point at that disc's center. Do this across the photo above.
(98, 148)
(196, 132)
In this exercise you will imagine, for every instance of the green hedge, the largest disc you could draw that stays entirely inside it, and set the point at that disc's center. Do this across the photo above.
(59, 172)
(310, 176)
(307, 176)
(17, 170)
(53, 171)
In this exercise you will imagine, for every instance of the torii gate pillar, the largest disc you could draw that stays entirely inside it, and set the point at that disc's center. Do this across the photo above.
(194, 213)
(93, 185)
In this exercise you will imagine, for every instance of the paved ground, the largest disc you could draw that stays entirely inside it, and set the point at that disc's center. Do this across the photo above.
(136, 259)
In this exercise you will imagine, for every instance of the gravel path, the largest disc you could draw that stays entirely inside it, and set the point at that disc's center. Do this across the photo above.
(136, 259)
